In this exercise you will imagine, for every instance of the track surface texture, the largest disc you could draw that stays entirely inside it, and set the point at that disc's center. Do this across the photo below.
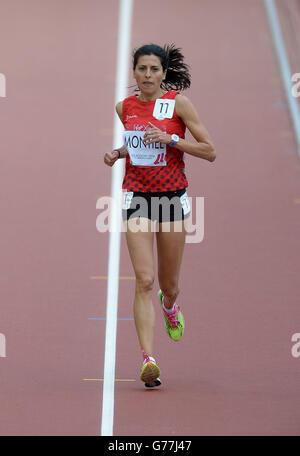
(233, 373)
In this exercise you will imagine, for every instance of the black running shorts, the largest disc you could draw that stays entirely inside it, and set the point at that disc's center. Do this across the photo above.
(157, 206)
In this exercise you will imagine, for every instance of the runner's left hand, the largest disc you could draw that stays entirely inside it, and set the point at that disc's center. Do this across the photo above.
(154, 134)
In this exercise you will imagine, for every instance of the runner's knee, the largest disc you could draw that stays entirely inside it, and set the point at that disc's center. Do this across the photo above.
(144, 283)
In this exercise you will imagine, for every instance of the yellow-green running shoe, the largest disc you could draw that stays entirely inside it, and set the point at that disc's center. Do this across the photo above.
(174, 321)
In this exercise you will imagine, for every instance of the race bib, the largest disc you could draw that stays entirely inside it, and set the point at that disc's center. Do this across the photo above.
(163, 109)
(185, 203)
(144, 155)
(127, 198)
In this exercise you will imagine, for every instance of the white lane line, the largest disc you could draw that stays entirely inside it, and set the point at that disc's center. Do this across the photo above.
(284, 67)
(125, 15)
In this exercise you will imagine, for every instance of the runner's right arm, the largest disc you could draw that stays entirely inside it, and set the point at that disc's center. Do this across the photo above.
(119, 109)
(111, 157)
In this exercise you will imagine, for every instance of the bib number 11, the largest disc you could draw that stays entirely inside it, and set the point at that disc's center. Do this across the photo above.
(163, 109)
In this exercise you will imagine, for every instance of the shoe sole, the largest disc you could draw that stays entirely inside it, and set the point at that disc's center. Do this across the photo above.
(150, 372)
(153, 384)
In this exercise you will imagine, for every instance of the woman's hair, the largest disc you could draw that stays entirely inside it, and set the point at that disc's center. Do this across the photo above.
(178, 76)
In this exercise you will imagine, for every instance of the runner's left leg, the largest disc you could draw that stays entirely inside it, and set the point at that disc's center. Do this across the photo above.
(170, 247)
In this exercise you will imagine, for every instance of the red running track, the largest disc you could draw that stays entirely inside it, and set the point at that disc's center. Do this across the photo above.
(233, 373)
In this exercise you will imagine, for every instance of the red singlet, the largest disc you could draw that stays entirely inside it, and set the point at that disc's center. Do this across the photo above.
(136, 115)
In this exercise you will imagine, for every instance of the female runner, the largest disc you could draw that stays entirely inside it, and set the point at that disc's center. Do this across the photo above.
(155, 185)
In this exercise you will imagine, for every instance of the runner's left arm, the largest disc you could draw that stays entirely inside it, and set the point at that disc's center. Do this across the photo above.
(203, 147)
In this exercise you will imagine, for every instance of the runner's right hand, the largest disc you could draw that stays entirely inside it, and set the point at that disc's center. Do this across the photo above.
(111, 157)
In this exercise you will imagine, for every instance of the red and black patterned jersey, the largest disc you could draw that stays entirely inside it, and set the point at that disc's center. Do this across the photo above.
(136, 115)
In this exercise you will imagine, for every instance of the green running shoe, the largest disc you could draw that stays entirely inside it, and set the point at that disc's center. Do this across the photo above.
(174, 321)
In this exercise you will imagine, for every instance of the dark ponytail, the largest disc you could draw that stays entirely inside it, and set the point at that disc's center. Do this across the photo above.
(178, 76)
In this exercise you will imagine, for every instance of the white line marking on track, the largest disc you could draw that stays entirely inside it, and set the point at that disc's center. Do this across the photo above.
(125, 16)
(282, 56)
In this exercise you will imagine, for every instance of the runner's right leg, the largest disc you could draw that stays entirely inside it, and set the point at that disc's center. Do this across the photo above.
(140, 247)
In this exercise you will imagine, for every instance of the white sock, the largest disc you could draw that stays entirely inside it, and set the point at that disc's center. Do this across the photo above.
(167, 310)
(151, 359)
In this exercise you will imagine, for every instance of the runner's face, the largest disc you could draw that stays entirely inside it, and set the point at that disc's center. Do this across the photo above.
(149, 74)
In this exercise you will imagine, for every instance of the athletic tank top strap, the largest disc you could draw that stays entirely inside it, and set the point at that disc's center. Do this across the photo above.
(171, 94)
